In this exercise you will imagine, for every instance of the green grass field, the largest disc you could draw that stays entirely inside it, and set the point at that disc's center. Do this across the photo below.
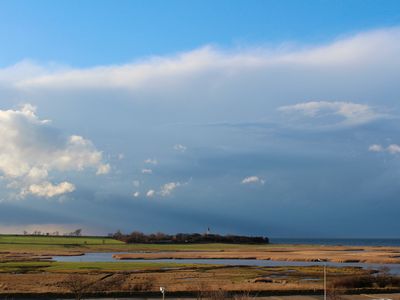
(54, 245)
(56, 240)
(48, 266)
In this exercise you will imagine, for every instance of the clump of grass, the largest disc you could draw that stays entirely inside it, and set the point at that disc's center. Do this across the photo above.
(214, 295)
(23, 267)
(366, 281)
(144, 285)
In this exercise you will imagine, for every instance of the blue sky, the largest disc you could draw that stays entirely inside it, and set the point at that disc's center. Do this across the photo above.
(87, 33)
(277, 118)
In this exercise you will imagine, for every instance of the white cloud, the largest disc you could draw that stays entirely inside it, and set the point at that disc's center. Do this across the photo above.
(393, 149)
(352, 113)
(136, 194)
(30, 148)
(150, 193)
(151, 161)
(350, 53)
(48, 190)
(180, 147)
(103, 169)
(35, 174)
(147, 171)
(165, 190)
(168, 188)
(376, 148)
(253, 180)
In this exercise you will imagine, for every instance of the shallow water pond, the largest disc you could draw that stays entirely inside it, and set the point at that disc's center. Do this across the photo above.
(108, 257)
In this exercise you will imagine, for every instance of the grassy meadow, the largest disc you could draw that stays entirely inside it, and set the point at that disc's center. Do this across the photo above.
(54, 245)
(50, 266)
(57, 240)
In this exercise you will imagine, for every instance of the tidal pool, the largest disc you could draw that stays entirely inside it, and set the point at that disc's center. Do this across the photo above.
(108, 257)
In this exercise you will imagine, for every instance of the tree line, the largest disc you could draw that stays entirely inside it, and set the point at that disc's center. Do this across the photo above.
(190, 238)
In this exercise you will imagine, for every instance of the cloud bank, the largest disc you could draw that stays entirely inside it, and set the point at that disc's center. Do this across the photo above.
(31, 148)
(222, 72)
(352, 113)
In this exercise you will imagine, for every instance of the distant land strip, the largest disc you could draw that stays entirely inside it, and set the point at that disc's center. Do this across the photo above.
(188, 238)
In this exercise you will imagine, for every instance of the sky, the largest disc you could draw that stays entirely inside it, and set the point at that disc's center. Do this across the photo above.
(273, 118)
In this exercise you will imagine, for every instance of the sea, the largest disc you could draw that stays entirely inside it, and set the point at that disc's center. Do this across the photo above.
(337, 241)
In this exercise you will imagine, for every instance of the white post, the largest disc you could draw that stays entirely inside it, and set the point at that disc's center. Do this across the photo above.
(162, 290)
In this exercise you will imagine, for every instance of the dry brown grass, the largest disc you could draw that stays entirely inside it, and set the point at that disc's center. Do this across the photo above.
(340, 254)
(198, 280)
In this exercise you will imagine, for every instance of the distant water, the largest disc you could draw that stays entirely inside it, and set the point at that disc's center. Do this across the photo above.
(108, 257)
(344, 242)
